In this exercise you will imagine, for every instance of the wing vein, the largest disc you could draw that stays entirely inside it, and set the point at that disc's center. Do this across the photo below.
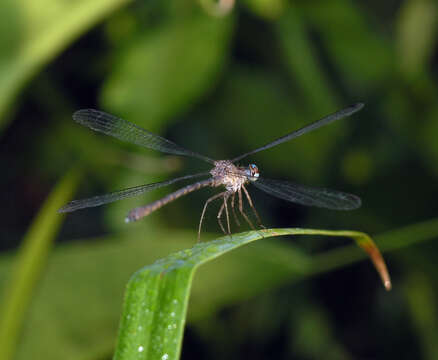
(121, 194)
(313, 126)
(308, 196)
(129, 132)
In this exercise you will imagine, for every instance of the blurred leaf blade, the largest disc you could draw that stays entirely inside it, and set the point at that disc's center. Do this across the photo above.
(421, 301)
(302, 62)
(151, 83)
(416, 34)
(38, 36)
(343, 26)
(30, 263)
(157, 296)
(267, 9)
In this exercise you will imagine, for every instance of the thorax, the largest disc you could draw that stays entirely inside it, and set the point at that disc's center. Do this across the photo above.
(227, 174)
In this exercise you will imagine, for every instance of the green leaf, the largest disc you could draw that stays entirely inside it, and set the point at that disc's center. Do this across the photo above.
(163, 73)
(107, 263)
(421, 301)
(417, 24)
(343, 26)
(268, 9)
(302, 61)
(157, 296)
(76, 309)
(30, 262)
(37, 31)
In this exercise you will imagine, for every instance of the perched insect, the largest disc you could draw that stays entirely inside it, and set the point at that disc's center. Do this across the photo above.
(224, 173)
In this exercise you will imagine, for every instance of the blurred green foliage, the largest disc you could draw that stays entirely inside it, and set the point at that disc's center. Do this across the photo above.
(222, 86)
(30, 263)
(34, 32)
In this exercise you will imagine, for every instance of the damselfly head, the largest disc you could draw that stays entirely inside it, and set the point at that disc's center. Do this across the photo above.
(252, 172)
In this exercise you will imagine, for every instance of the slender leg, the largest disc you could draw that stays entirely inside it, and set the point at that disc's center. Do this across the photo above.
(253, 207)
(226, 213)
(233, 197)
(219, 215)
(242, 212)
(205, 208)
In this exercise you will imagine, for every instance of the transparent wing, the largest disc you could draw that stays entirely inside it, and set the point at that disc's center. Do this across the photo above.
(129, 132)
(317, 124)
(309, 196)
(122, 194)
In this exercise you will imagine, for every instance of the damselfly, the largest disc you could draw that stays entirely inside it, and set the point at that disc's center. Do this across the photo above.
(224, 173)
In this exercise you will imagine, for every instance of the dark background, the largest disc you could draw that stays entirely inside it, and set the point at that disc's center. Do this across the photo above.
(222, 86)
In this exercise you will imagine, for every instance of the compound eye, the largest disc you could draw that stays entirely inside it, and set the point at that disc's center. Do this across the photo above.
(254, 171)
